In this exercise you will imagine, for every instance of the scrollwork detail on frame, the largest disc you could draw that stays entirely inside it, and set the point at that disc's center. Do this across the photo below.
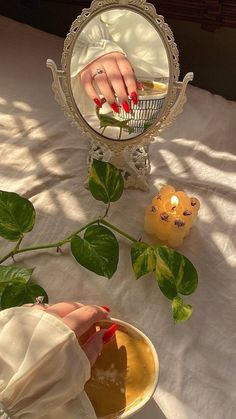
(172, 105)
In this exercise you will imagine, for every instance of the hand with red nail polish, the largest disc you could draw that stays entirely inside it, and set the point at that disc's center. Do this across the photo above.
(98, 102)
(134, 97)
(82, 320)
(113, 76)
(110, 333)
(51, 350)
(126, 107)
(115, 107)
(106, 308)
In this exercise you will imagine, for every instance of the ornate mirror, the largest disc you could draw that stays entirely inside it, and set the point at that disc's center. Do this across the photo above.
(119, 82)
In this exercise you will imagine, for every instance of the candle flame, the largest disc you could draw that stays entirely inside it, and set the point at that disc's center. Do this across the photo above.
(174, 201)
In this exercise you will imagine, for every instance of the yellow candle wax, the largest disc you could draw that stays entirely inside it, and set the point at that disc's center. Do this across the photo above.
(166, 190)
(187, 217)
(184, 200)
(157, 202)
(163, 225)
(171, 215)
(150, 221)
(177, 232)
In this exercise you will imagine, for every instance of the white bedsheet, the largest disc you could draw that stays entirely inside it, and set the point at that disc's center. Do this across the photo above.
(44, 158)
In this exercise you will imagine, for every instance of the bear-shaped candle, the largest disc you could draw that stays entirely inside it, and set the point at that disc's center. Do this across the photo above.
(171, 215)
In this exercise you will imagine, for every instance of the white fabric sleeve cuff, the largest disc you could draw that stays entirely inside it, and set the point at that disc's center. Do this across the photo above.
(42, 366)
(85, 55)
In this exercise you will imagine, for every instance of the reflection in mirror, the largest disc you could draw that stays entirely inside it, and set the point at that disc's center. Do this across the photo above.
(119, 74)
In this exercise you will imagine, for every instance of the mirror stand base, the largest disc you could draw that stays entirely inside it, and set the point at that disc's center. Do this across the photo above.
(134, 162)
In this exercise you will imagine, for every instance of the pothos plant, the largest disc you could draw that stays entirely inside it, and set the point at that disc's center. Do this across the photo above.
(94, 246)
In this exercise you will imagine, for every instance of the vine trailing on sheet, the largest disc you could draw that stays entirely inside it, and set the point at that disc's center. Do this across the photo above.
(94, 246)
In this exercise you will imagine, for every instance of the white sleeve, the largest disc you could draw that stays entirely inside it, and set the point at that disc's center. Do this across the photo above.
(93, 42)
(42, 368)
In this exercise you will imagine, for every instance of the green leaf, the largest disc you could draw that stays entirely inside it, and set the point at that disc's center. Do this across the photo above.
(10, 274)
(19, 293)
(181, 312)
(143, 259)
(106, 183)
(164, 273)
(187, 280)
(175, 273)
(98, 251)
(17, 215)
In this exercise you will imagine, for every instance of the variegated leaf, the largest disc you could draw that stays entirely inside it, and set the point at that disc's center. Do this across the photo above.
(175, 273)
(106, 183)
(143, 259)
(17, 215)
(98, 251)
(180, 311)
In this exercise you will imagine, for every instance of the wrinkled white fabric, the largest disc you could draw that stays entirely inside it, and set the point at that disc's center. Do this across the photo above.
(45, 159)
(93, 42)
(123, 31)
(42, 367)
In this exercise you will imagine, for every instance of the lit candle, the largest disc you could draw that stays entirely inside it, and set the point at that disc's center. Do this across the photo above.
(171, 215)
(172, 204)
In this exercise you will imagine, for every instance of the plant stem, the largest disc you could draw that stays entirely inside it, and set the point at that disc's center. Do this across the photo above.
(13, 251)
(67, 239)
(122, 233)
(18, 243)
(28, 249)
(107, 209)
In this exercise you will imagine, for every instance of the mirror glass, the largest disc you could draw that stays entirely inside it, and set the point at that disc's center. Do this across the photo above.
(119, 73)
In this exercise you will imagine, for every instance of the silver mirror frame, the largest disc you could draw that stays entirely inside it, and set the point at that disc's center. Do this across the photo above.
(130, 155)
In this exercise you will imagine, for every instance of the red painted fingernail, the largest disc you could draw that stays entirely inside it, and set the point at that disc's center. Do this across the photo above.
(98, 102)
(106, 308)
(125, 106)
(115, 107)
(134, 97)
(109, 333)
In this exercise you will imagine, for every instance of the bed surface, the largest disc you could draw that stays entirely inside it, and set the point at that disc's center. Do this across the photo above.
(43, 158)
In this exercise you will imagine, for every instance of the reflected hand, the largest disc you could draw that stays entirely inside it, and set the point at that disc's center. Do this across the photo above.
(112, 74)
(81, 320)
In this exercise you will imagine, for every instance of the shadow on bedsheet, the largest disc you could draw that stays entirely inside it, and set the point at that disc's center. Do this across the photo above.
(150, 411)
